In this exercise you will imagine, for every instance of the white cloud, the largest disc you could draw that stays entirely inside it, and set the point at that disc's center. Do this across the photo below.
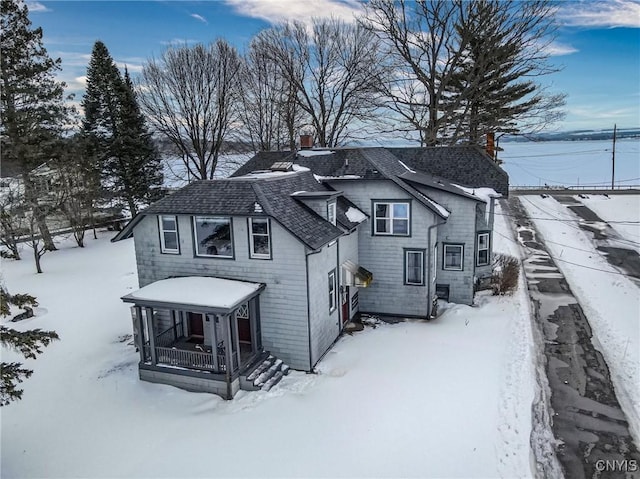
(178, 41)
(556, 49)
(276, 11)
(608, 13)
(37, 7)
(200, 18)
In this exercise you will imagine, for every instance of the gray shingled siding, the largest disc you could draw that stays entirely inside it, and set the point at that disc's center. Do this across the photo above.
(318, 205)
(384, 255)
(459, 229)
(324, 324)
(349, 251)
(283, 303)
(484, 223)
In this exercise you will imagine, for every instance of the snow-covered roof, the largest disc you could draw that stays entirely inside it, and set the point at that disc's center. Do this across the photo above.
(355, 215)
(485, 194)
(309, 153)
(201, 292)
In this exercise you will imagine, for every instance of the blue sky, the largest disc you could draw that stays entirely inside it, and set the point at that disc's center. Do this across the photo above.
(598, 42)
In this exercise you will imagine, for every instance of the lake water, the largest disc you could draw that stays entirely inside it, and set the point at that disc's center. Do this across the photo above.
(571, 163)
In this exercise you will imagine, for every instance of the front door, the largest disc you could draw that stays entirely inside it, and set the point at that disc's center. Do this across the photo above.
(196, 327)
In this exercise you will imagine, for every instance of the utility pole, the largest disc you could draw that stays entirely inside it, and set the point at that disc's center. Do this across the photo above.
(613, 158)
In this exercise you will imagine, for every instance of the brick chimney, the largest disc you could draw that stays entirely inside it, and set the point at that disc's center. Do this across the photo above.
(306, 142)
(491, 145)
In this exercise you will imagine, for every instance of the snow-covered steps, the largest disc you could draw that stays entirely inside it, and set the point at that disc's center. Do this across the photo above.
(265, 373)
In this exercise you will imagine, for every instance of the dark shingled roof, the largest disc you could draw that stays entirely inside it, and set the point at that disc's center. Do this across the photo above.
(342, 205)
(238, 196)
(466, 165)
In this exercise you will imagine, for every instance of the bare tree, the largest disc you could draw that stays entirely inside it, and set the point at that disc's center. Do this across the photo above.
(335, 68)
(189, 96)
(269, 111)
(463, 68)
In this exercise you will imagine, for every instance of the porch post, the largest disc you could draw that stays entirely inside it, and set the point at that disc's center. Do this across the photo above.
(152, 335)
(234, 324)
(173, 322)
(214, 340)
(253, 321)
(141, 332)
(226, 330)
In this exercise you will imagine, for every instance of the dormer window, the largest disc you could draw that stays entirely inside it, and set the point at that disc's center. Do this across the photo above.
(331, 212)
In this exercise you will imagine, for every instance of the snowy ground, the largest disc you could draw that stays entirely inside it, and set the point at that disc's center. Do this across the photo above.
(609, 299)
(447, 398)
(623, 213)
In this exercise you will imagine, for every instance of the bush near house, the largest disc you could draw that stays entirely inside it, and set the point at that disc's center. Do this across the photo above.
(506, 270)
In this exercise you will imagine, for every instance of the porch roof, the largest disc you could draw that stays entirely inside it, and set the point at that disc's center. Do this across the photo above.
(199, 293)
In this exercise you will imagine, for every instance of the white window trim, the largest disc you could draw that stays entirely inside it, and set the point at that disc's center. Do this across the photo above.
(391, 217)
(252, 252)
(478, 249)
(406, 267)
(444, 257)
(196, 241)
(333, 286)
(163, 247)
(331, 212)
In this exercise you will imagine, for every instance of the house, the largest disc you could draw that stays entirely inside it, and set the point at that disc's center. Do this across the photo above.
(242, 276)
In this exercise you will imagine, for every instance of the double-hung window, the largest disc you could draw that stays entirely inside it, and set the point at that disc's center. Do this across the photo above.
(331, 212)
(168, 226)
(452, 257)
(213, 237)
(414, 267)
(332, 291)
(391, 218)
(482, 249)
(259, 238)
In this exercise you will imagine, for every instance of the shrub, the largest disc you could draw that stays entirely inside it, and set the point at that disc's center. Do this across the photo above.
(506, 270)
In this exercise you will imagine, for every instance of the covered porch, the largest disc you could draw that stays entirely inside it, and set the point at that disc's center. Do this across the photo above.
(197, 333)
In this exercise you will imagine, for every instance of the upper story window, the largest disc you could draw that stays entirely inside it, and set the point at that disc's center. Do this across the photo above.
(452, 257)
(414, 267)
(331, 212)
(213, 236)
(168, 226)
(482, 249)
(332, 291)
(259, 238)
(391, 218)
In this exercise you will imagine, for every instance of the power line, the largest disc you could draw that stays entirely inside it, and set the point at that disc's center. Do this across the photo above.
(569, 222)
(569, 262)
(555, 154)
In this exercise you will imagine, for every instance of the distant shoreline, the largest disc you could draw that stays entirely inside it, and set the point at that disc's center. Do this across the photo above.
(580, 135)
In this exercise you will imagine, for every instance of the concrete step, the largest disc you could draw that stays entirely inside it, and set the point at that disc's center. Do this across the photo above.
(273, 381)
(266, 375)
(266, 364)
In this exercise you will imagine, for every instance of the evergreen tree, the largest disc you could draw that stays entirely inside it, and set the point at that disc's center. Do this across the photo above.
(32, 103)
(138, 169)
(27, 343)
(118, 142)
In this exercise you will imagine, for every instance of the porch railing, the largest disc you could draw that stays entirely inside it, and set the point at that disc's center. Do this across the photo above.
(186, 359)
